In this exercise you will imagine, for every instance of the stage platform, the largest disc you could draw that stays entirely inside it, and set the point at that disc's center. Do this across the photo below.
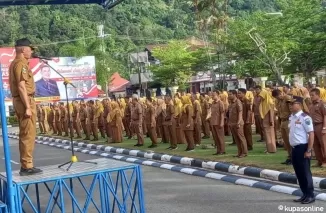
(108, 186)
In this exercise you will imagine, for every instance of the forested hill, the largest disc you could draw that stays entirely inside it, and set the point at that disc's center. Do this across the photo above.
(145, 21)
(131, 25)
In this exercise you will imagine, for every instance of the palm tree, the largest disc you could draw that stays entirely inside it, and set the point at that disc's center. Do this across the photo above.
(212, 18)
(212, 15)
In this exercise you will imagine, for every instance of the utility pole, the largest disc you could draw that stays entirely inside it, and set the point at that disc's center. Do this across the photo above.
(101, 35)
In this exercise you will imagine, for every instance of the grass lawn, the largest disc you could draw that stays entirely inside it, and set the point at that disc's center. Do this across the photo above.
(255, 158)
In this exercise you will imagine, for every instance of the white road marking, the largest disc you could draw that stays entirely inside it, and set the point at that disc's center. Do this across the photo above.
(12, 161)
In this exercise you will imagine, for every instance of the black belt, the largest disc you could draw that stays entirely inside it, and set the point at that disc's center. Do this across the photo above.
(29, 95)
(296, 146)
(318, 123)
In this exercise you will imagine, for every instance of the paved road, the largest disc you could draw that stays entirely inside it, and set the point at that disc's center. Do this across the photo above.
(172, 192)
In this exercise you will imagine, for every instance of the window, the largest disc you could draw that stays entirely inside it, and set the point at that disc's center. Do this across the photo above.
(11, 111)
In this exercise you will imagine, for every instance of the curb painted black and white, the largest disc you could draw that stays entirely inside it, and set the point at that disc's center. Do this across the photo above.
(219, 166)
(186, 170)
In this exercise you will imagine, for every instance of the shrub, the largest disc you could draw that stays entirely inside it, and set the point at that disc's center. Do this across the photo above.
(11, 120)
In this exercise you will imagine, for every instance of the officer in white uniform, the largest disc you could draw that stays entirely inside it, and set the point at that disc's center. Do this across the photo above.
(301, 141)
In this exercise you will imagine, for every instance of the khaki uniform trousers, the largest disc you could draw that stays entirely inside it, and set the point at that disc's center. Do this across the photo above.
(27, 132)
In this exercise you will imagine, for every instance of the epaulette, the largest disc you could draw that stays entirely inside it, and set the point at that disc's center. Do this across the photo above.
(304, 114)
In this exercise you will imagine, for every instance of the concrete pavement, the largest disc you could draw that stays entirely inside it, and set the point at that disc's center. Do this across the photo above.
(251, 172)
(171, 192)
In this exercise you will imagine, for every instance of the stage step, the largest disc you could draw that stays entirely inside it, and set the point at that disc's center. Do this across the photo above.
(3, 208)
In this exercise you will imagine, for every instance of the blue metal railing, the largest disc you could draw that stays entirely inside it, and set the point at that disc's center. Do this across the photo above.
(6, 150)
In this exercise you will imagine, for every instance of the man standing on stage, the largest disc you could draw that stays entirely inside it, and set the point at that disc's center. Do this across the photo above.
(22, 88)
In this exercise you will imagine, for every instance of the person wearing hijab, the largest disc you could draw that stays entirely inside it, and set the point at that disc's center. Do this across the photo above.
(99, 116)
(306, 98)
(169, 124)
(177, 117)
(142, 102)
(197, 119)
(51, 123)
(160, 118)
(76, 118)
(247, 115)
(84, 119)
(127, 118)
(114, 119)
(93, 120)
(150, 121)
(205, 123)
(122, 106)
(65, 119)
(224, 98)
(187, 122)
(304, 93)
(322, 93)
(40, 119)
(106, 111)
(258, 120)
(57, 119)
(266, 110)
(137, 120)
(45, 111)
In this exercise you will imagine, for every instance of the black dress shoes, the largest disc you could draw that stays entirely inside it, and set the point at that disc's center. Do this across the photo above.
(308, 200)
(300, 199)
(30, 171)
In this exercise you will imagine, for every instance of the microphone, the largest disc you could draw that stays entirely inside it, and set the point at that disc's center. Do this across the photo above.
(34, 55)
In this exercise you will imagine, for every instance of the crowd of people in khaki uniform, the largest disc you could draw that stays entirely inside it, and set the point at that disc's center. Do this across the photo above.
(189, 118)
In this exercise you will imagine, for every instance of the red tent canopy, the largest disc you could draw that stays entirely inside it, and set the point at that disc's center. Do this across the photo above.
(100, 92)
(116, 82)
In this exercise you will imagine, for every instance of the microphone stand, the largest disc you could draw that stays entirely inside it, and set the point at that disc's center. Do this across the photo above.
(66, 82)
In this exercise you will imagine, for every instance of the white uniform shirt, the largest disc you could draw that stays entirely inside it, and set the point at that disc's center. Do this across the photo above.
(300, 124)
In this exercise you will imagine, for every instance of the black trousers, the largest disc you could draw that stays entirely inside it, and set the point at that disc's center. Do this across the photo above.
(301, 167)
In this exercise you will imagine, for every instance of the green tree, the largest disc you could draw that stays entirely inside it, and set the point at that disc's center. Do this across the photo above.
(249, 68)
(304, 22)
(176, 62)
(70, 30)
(259, 37)
(287, 41)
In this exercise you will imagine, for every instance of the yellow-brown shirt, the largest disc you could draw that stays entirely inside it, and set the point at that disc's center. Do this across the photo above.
(137, 114)
(150, 115)
(235, 108)
(19, 71)
(217, 114)
(282, 107)
(317, 111)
